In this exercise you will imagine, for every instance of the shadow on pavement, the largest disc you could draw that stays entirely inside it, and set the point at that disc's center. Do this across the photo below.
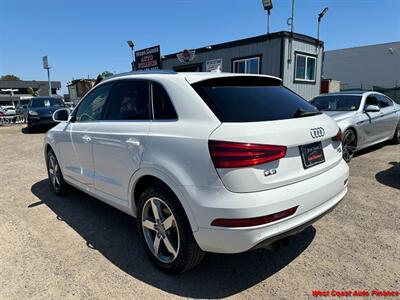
(391, 176)
(38, 129)
(113, 234)
(370, 149)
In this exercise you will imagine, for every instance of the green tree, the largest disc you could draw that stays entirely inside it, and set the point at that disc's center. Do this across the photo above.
(103, 76)
(9, 77)
(106, 74)
(32, 92)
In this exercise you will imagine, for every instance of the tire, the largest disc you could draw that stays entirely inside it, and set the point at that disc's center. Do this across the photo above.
(31, 129)
(28, 129)
(172, 233)
(349, 144)
(56, 179)
(396, 136)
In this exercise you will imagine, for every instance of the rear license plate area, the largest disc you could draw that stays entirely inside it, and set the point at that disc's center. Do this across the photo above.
(312, 154)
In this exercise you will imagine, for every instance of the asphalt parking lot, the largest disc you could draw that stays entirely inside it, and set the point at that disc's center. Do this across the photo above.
(79, 248)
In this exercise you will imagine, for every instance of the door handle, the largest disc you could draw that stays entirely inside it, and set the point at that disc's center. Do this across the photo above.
(133, 142)
(86, 138)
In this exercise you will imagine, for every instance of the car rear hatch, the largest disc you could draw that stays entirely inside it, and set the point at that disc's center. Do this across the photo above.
(269, 136)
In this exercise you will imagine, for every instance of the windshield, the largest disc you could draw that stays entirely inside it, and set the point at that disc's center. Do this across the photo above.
(46, 102)
(337, 102)
(252, 99)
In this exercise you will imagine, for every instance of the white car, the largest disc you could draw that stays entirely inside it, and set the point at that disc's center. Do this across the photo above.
(206, 162)
(9, 110)
(365, 118)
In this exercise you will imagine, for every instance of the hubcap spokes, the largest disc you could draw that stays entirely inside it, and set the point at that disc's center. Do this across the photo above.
(54, 172)
(349, 146)
(160, 230)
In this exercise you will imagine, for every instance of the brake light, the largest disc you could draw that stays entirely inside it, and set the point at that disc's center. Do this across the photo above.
(248, 222)
(236, 155)
(338, 136)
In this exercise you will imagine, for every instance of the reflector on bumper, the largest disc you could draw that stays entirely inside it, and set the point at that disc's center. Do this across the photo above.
(248, 222)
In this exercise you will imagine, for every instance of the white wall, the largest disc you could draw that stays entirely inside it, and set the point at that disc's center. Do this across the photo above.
(364, 67)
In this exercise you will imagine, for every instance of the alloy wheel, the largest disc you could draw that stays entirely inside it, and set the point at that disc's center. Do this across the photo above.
(160, 230)
(54, 172)
(349, 145)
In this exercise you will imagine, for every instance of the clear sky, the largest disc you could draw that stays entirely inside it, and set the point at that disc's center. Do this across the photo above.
(85, 37)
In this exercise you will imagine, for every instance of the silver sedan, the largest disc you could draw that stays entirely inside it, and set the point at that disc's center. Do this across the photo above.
(365, 118)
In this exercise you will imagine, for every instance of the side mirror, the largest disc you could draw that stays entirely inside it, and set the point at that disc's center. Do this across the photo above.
(61, 115)
(372, 108)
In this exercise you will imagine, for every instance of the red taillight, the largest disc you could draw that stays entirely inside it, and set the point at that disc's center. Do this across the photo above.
(236, 155)
(338, 136)
(248, 222)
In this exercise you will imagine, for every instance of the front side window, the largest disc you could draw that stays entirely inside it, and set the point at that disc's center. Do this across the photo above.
(305, 67)
(337, 103)
(92, 106)
(247, 66)
(162, 105)
(129, 100)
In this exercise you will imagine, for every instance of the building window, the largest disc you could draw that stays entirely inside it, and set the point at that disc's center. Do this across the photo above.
(247, 65)
(305, 67)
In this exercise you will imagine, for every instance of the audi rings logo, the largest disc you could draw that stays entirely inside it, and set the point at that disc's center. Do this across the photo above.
(317, 132)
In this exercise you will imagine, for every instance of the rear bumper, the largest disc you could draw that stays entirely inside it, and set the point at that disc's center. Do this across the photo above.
(293, 231)
(315, 197)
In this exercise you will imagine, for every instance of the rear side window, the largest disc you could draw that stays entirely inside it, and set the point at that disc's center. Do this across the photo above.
(251, 99)
(162, 105)
(129, 100)
(383, 101)
(371, 100)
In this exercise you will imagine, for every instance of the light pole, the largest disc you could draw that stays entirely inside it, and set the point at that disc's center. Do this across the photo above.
(47, 67)
(267, 6)
(132, 45)
(320, 16)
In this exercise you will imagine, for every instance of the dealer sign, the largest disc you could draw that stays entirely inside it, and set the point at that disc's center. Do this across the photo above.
(148, 59)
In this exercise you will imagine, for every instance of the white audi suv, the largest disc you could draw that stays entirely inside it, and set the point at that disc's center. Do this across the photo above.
(206, 162)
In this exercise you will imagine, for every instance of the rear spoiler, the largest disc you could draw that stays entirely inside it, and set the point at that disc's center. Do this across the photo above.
(241, 80)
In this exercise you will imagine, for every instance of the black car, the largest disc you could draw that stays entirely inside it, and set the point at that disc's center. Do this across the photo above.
(40, 111)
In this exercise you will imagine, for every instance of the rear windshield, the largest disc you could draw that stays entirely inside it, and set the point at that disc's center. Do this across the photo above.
(252, 99)
(337, 102)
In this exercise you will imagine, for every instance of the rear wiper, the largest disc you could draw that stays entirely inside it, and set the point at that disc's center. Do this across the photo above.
(303, 113)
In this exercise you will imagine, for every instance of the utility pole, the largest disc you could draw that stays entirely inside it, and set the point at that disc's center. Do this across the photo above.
(320, 15)
(290, 21)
